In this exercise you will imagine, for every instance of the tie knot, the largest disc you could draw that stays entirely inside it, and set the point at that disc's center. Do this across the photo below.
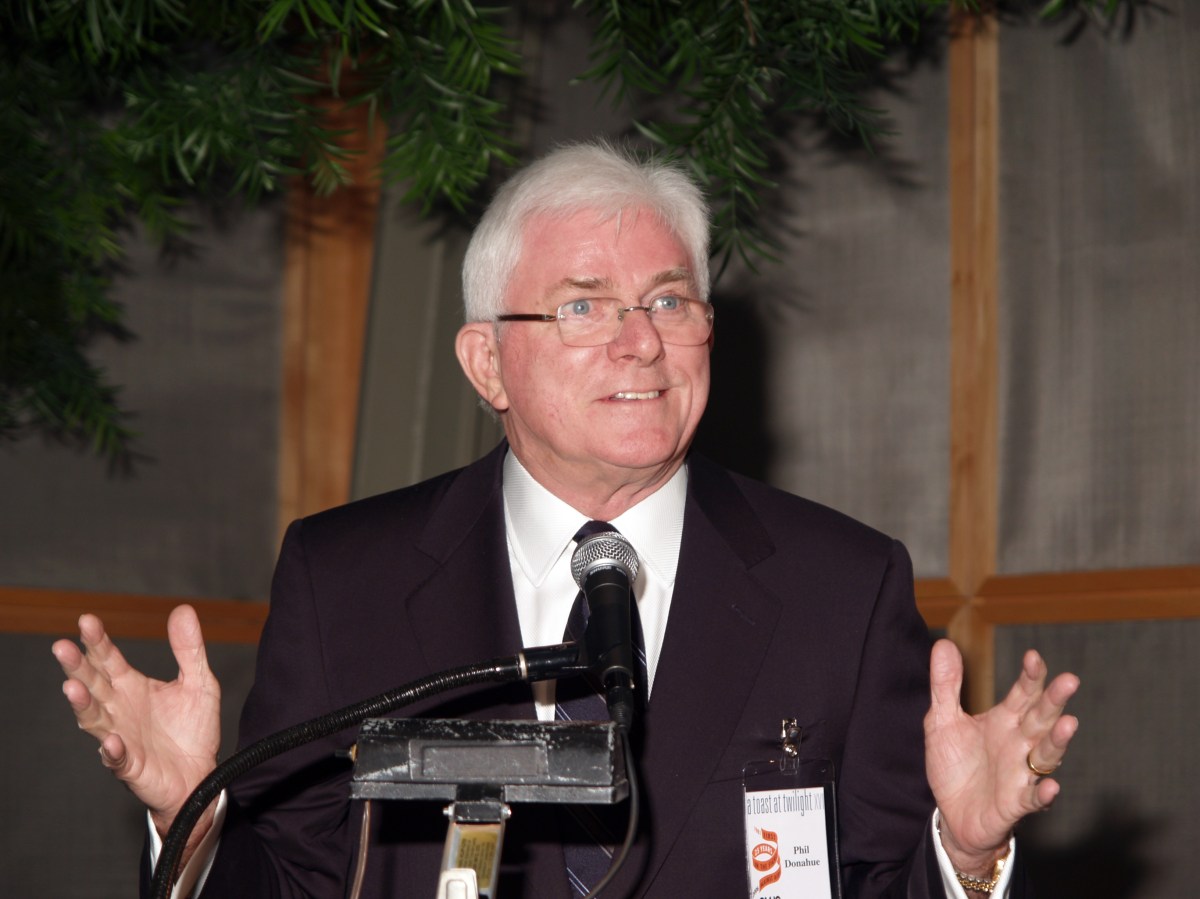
(591, 528)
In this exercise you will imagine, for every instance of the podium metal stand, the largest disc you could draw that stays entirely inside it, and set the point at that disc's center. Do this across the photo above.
(481, 767)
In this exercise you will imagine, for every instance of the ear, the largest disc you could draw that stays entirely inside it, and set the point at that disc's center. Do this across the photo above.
(478, 353)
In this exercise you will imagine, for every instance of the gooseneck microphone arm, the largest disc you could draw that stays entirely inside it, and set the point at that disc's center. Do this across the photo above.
(537, 663)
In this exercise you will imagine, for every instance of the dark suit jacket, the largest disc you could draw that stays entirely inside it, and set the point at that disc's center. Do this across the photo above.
(782, 608)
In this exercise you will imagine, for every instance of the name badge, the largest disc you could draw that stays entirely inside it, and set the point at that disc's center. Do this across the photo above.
(791, 826)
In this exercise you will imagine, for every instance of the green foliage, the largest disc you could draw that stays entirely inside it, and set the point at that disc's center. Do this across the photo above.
(739, 70)
(440, 73)
(115, 112)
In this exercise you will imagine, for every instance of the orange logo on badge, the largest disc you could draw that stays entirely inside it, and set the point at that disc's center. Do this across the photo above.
(765, 857)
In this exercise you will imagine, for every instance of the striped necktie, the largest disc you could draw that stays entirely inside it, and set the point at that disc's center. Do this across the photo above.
(589, 832)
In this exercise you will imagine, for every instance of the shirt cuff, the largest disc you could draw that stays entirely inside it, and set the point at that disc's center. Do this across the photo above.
(954, 889)
(195, 872)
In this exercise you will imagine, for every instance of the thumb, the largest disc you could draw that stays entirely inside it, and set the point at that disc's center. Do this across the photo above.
(945, 679)
(187, 641)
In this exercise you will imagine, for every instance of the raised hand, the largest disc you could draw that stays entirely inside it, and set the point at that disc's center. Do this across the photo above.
(988, 771)
(159, 738)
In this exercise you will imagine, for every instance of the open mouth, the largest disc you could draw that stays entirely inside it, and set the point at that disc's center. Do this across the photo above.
(636, 395)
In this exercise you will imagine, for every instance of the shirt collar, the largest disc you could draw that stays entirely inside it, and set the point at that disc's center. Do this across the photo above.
(541, 526)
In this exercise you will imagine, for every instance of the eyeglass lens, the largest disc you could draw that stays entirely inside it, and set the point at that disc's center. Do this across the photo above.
(590, 321)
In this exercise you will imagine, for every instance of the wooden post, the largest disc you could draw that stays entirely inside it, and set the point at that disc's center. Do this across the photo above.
(973, 338)
(327, 286)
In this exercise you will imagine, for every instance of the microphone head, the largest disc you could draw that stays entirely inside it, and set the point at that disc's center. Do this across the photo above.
(604, 550)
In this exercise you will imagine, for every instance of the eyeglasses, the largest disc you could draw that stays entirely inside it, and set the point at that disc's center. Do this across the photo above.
(595, 321)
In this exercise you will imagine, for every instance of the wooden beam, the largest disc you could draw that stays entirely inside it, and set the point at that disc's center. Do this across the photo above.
(938, 601)
(975, 636)
(1141, 594)
(1129, 594)
(973, 313)
(327, 286)
(973, 335)
(27, 610)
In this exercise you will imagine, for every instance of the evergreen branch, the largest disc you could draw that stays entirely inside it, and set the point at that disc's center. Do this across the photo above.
(450, 131)
(112, 112)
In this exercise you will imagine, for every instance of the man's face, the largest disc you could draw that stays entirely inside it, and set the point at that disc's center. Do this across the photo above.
(605, 417)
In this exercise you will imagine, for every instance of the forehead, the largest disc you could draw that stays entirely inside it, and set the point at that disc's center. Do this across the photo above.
(630, 250)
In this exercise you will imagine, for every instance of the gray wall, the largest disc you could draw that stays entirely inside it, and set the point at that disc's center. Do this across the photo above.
(1099, 296)
(1125, 824)
(1100, 423)
(194, 516)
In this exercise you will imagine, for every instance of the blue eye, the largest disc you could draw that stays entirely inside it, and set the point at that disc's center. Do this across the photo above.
(580, 308)
(669, 304)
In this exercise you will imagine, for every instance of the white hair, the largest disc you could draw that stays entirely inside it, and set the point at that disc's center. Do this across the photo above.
(570, 179)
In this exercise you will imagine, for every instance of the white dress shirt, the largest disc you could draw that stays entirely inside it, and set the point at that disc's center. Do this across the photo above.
(540, 530)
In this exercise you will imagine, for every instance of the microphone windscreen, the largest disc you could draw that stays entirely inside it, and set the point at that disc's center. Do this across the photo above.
(603, 550)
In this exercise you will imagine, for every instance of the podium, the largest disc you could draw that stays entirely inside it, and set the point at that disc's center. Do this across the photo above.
(480, 768)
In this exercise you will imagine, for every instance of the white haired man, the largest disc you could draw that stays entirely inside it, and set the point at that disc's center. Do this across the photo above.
(588, 333)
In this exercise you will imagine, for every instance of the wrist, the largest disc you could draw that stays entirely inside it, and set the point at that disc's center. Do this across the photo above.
(163, 821)
(978, 866)
(974, 868)
(195, 839)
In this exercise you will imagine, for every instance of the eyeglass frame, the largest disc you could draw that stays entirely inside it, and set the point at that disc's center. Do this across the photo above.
(557, 317)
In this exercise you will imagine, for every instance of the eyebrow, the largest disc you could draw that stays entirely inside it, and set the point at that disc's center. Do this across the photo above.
(668, 276)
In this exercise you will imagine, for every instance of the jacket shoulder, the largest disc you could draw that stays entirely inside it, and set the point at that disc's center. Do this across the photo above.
(785, 519)
(400, 517)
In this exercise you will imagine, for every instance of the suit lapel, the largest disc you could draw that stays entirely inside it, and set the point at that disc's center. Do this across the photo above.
(464, 611)
(719, 615)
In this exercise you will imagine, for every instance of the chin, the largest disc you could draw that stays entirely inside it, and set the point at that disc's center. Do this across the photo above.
(641, 457)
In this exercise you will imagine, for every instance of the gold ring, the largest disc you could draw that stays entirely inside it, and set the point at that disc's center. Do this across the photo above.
(1035, 769)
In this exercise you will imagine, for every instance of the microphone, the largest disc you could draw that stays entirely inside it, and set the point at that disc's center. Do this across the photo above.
(604, 566)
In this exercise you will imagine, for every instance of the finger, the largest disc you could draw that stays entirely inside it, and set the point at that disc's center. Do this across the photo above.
(90, 714)
(101, 651)
(1048, 753)
(1029, 683)
(68, 656)
(945, 680)
(1045, 792)
(187, 643)
(1048, 707)
(78, 666)
(113, 754)
(78, 695)
(1061, 689)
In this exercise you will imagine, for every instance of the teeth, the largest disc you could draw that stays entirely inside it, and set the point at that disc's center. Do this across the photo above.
(630, 395)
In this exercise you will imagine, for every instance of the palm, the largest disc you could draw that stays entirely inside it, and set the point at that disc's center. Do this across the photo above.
(161, 724)
(160, 737)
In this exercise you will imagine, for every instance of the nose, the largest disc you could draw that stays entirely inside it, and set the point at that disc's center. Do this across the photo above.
(638, 336)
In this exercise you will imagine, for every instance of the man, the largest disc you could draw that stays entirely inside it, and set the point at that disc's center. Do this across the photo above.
(588, 333)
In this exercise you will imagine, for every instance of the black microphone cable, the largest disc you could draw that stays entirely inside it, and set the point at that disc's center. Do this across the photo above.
(537, 663)
(604, 566)
(502, 670)
(631, 827)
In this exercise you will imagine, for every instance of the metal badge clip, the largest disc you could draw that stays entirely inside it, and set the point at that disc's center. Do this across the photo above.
(789, 741)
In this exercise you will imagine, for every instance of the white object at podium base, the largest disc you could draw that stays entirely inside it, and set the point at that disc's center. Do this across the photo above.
(458, 883)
